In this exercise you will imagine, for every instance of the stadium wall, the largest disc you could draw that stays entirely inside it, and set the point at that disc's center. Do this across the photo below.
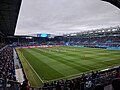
(43, 46)
(114, 48)
(103, 47)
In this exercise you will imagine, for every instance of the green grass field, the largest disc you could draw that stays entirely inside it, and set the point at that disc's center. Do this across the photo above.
(47, 64)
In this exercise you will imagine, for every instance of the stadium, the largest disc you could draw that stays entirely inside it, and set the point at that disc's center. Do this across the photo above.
(84, 60)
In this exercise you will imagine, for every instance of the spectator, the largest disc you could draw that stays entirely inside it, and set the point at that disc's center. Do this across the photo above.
(58, 86)
(99, 87)
(24, 86)
(118, 74)
(116, 84)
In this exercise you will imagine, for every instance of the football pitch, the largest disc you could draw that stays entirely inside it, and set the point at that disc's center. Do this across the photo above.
(64, 62)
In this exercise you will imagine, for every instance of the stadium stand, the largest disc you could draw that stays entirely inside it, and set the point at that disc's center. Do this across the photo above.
(116, 84)
(87, 81)
(7, 70)
(108, 38)
(100, 38)
(91, 81)
(105, 39)
(8, 17)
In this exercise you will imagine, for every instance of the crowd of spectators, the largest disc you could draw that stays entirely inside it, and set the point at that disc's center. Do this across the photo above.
(92, 81)
(24, 44)
(7, 64)
(87, 41)
(111, 41)
(2, 45)
(7, 70)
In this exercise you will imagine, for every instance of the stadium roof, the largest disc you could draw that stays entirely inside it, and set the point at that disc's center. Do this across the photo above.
(9, 10)
(102, 31)
(114, 2)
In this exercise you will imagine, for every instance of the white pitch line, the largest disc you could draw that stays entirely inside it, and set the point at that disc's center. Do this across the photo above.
(80, 74)
(33, 69)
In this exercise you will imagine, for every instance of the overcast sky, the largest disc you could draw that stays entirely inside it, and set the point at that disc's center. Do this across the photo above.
(65, 16)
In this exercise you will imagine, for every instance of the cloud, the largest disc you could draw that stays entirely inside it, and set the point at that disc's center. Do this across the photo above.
(65, 16)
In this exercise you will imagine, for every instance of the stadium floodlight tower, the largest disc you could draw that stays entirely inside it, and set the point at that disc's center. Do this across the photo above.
(114, 2)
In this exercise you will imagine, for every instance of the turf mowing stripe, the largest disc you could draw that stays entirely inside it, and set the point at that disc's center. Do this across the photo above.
(65, 70)
(33, 69)
(67, 56)
(41, 68)
(102, 57)
(78, 49)
(63, 60)
(29, 72)
(71, 54)
(110, 53)
(67, 76)
(90, 58)
(74, 61)
(96, 54)
(99, 52)
(101, 63)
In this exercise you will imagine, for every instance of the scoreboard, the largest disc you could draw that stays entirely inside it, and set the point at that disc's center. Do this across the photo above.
(43, 35)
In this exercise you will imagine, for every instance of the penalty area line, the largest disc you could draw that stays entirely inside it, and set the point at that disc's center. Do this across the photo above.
(33, 69)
